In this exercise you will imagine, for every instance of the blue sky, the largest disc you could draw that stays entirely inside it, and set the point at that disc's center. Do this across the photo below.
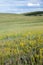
(20, 6)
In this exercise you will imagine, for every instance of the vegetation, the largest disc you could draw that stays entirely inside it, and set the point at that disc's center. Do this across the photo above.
(38, 13)
(21, 39)
(20, 23)
(21, 49)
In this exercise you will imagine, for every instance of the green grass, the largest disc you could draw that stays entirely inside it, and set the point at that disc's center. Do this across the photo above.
(20, 23)
(21, 40)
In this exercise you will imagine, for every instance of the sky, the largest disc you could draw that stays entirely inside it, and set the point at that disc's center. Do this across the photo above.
(20, 6)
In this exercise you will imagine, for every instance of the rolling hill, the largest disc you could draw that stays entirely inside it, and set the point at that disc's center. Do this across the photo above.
(20, 22)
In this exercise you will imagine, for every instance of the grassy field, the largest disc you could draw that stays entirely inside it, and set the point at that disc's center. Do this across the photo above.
(21, 39)
(20, 23)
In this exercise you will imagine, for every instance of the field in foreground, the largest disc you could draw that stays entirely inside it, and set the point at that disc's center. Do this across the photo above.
(21, 40)
(21, 49)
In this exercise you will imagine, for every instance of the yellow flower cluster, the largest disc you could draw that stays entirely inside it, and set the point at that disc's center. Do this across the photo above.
(23, 49)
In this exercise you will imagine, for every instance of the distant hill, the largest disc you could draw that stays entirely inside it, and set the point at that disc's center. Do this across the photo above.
(40, 13)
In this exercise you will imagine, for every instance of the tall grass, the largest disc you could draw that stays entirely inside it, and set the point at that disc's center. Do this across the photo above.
(21, 49)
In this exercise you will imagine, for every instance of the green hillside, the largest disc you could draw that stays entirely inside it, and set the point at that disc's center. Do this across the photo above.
(21, 39)
(20, 23)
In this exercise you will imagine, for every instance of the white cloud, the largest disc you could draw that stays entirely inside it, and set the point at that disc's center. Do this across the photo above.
(4, 5)
(32, 4)
(19, 6)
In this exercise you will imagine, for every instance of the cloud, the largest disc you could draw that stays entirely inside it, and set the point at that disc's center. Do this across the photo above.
(32, 4)
(19, 6)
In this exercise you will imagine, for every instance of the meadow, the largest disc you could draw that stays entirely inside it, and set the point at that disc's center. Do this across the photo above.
(21, 39)
(20, 23)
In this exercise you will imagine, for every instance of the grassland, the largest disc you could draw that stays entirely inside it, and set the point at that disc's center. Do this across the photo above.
(21, 39)
(20, 23)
